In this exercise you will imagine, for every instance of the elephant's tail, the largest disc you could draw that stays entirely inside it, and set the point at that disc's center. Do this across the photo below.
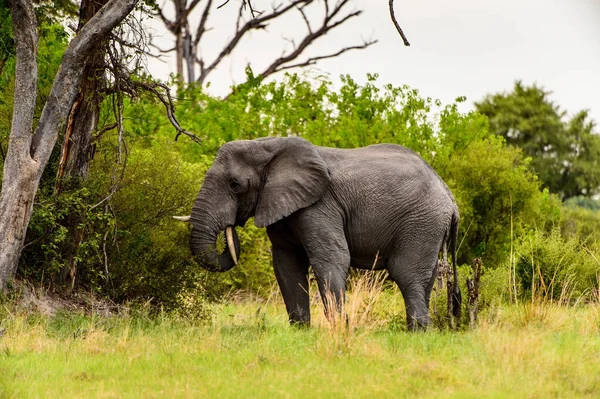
(456, 297)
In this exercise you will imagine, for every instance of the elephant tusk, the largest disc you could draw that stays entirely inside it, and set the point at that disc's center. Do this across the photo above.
(182, 218)
(230, 244)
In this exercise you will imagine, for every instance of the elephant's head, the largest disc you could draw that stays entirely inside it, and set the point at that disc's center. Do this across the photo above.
(266, 178)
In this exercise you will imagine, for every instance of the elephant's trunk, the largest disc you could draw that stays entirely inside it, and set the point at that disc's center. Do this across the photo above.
(203, 243)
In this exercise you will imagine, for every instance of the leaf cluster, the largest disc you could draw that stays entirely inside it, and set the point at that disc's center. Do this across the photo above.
(565, 154)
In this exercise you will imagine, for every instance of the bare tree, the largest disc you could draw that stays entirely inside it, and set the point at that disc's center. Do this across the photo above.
(29, 149)
(188, 39)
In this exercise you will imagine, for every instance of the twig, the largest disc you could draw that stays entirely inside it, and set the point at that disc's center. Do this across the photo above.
(167, 101)
(313, 60)
(223, 5)
(397, 25)
(105, 129)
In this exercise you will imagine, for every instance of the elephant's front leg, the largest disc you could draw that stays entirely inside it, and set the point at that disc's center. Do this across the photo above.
(291, 270)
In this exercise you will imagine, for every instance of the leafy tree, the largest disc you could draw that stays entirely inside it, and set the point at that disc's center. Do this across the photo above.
(565, 155)
(30, 147)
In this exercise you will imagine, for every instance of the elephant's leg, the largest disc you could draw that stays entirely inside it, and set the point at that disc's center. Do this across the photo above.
(290, 264)
(291, 271)
(415, 276)
(327, 250)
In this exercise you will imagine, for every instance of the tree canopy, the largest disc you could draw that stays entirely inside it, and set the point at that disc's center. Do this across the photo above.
(565, 152)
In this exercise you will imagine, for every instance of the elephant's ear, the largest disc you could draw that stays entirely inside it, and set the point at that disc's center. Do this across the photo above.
(295, 177)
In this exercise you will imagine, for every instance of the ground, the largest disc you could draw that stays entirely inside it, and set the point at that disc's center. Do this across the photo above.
(247, 349)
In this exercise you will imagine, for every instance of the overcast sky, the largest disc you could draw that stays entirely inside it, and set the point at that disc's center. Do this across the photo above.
(458, 48)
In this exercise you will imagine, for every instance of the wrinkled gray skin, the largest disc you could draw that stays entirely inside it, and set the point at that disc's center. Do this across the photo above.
(332, 209)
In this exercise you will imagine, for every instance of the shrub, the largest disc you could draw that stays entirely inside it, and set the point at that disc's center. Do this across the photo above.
(554, 268)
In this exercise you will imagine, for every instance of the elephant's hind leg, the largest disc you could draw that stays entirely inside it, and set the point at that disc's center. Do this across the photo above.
(415, 277)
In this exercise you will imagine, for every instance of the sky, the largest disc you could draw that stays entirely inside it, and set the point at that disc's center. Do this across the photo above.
(458, 48)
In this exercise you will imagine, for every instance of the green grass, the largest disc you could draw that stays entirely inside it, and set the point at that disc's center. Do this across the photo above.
(248, 350)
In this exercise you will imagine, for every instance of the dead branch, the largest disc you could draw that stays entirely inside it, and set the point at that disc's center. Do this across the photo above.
(329, 22)
(253, 12)
(256, 23)
(202, 26)
(397, 25)
(167, 101)
(124, 83)
(314, 60)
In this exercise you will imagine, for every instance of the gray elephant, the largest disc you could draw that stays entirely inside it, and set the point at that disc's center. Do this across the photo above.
(380, 207)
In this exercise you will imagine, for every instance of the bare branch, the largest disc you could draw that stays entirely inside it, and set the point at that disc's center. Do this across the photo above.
(105, 129)
(254, 24)
(202, 26)
(397, 25)
(253, 12)
(162, 50)
(170, 25)
(314, 60)
(191, 7)
(327, 25)
(167, 101)
(223, 5)
(305, 18)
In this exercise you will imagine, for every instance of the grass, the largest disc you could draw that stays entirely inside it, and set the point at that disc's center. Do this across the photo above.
(248, 350)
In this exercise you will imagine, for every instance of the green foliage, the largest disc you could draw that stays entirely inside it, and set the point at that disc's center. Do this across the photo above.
(583, 202)
(552, 267)
(7, 45)
(496, 194)
(565, 155)
(49, 239)
(147, 253)
(582, 222)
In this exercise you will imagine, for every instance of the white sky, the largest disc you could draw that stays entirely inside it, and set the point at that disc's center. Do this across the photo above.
(458, 47)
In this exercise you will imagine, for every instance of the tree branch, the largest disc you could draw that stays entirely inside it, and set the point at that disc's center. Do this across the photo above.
(66, 82)
(327, 25)
(314, 60)
(25, 32)
(396, 24)
(253, 24)
(167, 101)
(202, 26)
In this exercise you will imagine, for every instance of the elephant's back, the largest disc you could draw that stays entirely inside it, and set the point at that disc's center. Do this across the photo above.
(390, 192)
(386, 167)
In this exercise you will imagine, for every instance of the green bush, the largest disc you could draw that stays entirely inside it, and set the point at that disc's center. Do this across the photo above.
(147, 253)
(552, 267)
(581, 218)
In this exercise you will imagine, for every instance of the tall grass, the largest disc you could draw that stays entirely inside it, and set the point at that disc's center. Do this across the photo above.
(355, 317)
(247, 349)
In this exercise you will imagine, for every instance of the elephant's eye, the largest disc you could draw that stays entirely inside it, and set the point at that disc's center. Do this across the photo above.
(235, 185)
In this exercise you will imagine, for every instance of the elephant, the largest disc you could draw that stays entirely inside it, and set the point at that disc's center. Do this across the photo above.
(375, 207)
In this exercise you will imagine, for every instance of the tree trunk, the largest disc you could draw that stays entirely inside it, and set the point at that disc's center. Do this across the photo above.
(179, 55)
(190, 57)
(28, 153)
(16, 204)
(77, 148)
